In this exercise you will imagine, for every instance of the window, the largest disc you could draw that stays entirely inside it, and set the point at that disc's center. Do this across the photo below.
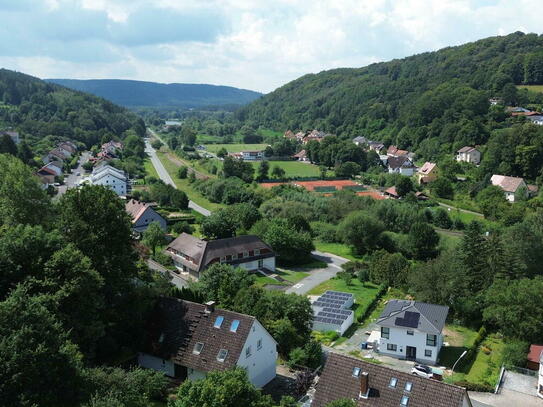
(431, 340)
(234, 326)
(260, 263)
(385, 332)
(223, 259)
(356, 372)
(428, 352)
(218, 321)
(392, 347)
(393, 382)
(234, 256)
(248, 351)
(410, 333)
(404, 401)
(245, 254)
(221, 356)
(198, 348)
(408, 386)
(257, 252)
(259, 344)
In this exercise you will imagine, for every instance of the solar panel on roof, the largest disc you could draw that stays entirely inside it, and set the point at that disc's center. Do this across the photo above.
(409, 320)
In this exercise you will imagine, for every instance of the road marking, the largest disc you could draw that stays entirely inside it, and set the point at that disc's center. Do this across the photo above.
(299, 285)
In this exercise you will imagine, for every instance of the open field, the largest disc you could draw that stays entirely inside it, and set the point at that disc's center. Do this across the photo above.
(459, 339)
(339, 249)
(150, 169)
(293, 168)
(235, 148)
(533, 88)
(185, 186)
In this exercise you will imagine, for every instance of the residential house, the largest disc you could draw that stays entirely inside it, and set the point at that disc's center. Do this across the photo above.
(252, 155)
(412, 330)
(289, 134)
(370, 145)
(533, 361)
(391, 193)
(301, 156)
(143, 215)
(510, 185)
(526, 114)
(516, 109)
(13, 134)
(56, 166)
(110, 177)
(54, 155)
(47, 176)
(332, 312)
(369, 384)
(400, 165)
(193, 255)
(495, 101)
(536, 119)
(316, 135)
(67, 149)
(186, 340)
(469, 155)
(394, 151)
(427, 173)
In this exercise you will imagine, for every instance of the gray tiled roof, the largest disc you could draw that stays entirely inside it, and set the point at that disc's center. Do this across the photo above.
(432, 317)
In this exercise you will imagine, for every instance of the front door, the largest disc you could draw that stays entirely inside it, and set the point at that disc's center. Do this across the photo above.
(411, 353)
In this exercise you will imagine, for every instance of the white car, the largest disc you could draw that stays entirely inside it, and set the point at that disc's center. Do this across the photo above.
(422, 371)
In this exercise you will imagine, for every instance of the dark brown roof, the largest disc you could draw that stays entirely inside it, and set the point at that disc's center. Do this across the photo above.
(337, 381)
(398, 162)
(203, 252)
(176, 326)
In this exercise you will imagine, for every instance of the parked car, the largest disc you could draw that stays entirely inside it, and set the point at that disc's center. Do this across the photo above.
(422, 371)
(78, 174)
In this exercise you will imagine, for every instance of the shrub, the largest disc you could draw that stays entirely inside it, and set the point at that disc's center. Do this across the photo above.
(514, 353)
(182, 227)
(325, 232)
(483, 387)
(182, 172)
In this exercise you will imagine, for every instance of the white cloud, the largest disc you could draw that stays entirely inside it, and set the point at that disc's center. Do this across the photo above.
(260, 44)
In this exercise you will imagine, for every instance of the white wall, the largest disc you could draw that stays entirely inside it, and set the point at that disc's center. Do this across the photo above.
(269, 263)
(148, 217)
(399, 337)
(260, 365)
(117, 185)
(151, 362)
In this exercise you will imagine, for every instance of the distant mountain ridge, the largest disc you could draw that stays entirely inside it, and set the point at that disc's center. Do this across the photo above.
(131, 94)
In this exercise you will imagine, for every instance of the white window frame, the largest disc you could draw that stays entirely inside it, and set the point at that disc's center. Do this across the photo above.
(196, 351)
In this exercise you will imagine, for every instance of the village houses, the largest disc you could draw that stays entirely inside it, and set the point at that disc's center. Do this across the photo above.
(111, 178)
(143, 215)
(469, 155)
(427, 173)
(511, 186)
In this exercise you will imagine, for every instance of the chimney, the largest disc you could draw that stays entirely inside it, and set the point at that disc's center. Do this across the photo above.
(364, 385)
(210, 307)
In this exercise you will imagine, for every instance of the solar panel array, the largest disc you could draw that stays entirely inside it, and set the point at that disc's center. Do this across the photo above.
(410, 320)
(333, 304)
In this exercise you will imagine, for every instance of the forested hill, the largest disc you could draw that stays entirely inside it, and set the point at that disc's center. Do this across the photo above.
(150, 94)
(440, 97)
(44, 113)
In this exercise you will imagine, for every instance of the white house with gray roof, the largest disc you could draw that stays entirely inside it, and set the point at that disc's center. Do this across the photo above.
(412, 330)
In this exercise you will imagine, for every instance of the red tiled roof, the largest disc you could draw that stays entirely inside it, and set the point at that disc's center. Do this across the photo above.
(535, 353)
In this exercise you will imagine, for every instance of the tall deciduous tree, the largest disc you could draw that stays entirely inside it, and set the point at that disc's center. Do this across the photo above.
(154, 236)
(423, 241)
(361, 231)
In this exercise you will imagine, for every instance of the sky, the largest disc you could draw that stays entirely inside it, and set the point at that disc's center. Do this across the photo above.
(251, 44)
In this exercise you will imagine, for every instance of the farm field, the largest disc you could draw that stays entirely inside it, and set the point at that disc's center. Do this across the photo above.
(534, 88)
(293, 169)
(234, 148)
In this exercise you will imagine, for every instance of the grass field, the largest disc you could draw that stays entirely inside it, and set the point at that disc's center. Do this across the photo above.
(339, 249)
(149, 168)
(533, 88)
(235, 148)
(364, 294)
(459, 339)
(447, 241)
(185, 186)
(293, 169)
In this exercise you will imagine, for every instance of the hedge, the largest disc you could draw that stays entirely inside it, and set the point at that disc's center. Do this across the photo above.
(370, 307)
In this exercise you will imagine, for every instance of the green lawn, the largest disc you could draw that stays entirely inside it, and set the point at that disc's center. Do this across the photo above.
(533, 88)
(235, 148)
(293, 169)
(150, 168)
(292, 276)
(185, 186)
(447, 241)
(364, 294)
(339, 249)
(459, 339)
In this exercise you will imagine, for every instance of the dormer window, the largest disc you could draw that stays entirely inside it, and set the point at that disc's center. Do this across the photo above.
(221, 356)
(408, 386)
(218, 321)
(356, 372)
(404, 401)
(234, 326)
(198, 348)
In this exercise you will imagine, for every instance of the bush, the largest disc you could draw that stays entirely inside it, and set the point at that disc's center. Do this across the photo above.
(182, 172)
(182, 227)
(163, 259)
(514, 353)
(325, 232)
(483, 387)
(365, 312)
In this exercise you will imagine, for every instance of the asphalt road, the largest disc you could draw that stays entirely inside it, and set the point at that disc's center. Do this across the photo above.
(174, 278)
(320, 275)
(72, 180)
(165, 176)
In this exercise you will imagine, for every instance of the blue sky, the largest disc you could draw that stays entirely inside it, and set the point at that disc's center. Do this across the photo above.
(253, 44)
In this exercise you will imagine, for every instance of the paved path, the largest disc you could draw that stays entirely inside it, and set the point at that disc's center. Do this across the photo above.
(165, 176)
(320, 275)
(506, 398)
(174, 278)
(72, 179)
(453, 208)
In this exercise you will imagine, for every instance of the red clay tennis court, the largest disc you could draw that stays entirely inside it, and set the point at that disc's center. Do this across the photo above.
(328, 187)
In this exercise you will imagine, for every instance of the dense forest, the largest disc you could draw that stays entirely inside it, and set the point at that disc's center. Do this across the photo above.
(45, 113)
(431, 103)
(161, 95)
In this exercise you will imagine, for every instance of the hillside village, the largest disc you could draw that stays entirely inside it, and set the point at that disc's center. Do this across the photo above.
(250, 263)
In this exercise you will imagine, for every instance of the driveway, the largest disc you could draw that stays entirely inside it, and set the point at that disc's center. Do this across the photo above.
(174, 278)
(506, 398)
(72, 179)
(318, 276)
(165, 176)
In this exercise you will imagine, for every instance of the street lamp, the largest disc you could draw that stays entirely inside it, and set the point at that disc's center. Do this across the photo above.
(458, 360)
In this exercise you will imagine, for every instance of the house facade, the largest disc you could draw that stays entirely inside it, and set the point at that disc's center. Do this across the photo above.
(412, 330)
(143, 215)
(369, 385)
(427, 173)
(192, 255)
(110, 177)
(400, 165)
(469, 155)
(536, 119)
(252, 155)
(510, 185)
(186, 340)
